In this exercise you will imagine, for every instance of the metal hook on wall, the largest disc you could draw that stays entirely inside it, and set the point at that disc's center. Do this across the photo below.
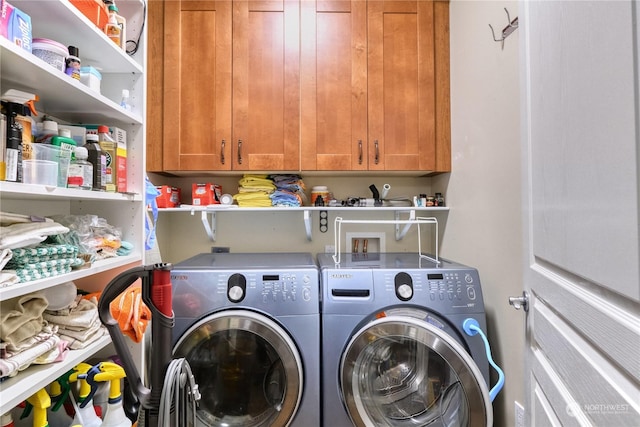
(506, 31)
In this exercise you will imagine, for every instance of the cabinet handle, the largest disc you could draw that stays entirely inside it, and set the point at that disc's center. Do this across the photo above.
(377, 157)
(359, 151)
(222, 151)
(239, 151)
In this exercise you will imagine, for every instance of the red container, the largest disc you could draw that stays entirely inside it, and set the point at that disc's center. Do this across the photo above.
(205, 194)
(95, 10)
(170, 197)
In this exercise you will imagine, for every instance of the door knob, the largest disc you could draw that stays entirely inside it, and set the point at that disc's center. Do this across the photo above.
(521, 302)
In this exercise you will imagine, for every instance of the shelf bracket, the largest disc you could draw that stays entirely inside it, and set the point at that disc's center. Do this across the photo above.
(400, 234)
(307, 224)
(209, 225)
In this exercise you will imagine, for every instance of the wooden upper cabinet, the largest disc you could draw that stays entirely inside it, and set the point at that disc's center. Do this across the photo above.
(266, 85)
(334, 85)
(375, 85)
(197, 85)
(408, 85)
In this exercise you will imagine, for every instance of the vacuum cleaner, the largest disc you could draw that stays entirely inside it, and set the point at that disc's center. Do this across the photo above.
(171, 396)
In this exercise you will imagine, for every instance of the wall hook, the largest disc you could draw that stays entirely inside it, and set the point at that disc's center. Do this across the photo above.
(506, 31)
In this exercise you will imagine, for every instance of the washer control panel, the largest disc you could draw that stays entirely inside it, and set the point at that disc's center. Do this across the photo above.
(455, 288)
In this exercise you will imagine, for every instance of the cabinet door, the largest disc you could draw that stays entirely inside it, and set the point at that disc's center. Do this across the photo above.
(334, 85)
(405, 68)
(197, 85)
(266, 85)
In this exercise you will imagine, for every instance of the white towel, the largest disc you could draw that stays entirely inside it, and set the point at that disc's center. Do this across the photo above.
(79, 318)
(25, 234)
(9, 367)
(8, 278)
(5, 256)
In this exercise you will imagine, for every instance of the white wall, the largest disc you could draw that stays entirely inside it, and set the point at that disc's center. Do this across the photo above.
(484, 227)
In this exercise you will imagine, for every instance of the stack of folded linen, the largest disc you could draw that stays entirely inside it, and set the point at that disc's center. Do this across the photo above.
(77, 324)
(25, 338)
(289, 190)
(42, 261)
(254, 191)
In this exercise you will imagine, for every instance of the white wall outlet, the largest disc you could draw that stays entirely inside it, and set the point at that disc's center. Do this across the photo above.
(519, 414)
(329, 249)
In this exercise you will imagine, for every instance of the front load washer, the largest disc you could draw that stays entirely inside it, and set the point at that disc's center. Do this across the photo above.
(249, 326)
(394, 352)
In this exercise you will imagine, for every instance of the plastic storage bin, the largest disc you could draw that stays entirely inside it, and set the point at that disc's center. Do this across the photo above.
(51, 52)
(91, 77)
(52, 153)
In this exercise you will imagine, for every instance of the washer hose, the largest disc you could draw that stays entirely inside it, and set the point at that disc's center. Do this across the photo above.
(471, 328)
(179, 392)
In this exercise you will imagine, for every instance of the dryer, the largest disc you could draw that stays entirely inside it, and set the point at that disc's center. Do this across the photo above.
(394, 352)
(249, 326)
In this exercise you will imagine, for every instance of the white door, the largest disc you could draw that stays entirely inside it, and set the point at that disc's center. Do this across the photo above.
(581, 126)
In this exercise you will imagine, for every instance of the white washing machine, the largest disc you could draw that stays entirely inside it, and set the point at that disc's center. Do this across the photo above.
(394, 352)
(249, 326)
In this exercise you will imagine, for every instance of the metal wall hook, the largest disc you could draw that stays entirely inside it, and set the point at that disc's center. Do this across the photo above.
(506, 31)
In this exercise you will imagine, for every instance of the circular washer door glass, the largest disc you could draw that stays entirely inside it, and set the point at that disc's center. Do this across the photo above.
(248, 370)
(400, 371)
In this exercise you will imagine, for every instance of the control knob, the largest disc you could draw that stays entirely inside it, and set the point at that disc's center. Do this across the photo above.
(404, 286)
(236, 287)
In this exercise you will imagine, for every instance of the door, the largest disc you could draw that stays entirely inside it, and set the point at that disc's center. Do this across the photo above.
(581, 124)
(400, 370)
(334, 85)
(266, 85)
(248, 370)
(408, 85)
(197, 86)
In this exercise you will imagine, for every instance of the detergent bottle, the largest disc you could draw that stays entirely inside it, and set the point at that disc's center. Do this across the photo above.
(59, 392)
(39, 402)
(114, 373)
(85, 413)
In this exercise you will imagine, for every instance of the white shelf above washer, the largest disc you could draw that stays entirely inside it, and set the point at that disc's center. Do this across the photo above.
(208, 214)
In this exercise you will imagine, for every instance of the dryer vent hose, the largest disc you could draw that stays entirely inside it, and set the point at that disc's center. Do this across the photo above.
(471, 328)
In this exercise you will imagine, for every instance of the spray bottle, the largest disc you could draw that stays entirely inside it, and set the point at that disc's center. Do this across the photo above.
(59, 392)
(85, 413)
(109, 371)
(39, 402)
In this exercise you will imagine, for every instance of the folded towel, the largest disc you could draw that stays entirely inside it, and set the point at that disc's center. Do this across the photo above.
(5, 256)
(26, 234)
(75, 344)
(80, 316)
(21, 317)
(12, 349)
(9, 367)
(56, 354)
(8, 278)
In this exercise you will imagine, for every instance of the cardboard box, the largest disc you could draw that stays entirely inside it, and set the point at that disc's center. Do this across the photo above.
(205, 194)
(120, 165)
(15, 26)
(170, 197)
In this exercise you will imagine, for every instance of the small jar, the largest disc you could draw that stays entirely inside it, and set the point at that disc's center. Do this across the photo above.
(320, 191)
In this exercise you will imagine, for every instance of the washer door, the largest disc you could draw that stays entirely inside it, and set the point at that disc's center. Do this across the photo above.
(404, 371)
(247, 368)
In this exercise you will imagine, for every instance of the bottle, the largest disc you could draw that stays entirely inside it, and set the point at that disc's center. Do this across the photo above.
(80, 170)
(108, 146)
(73, 63)
(98, 160)
(113, 29)
(13, 154)
(124, 103)
(49, 130)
